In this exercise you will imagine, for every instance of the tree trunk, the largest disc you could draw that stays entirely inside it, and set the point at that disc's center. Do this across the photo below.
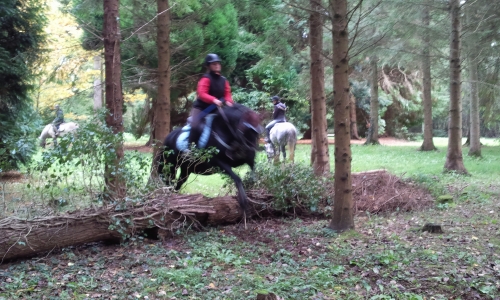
(343, 213)
(114, 98)
(161, 104)
(20, 238)
(428, 143)
(372, 137)
(354, 120)
(98, 83)
(320, 157)
(474, 130)
(454, 159)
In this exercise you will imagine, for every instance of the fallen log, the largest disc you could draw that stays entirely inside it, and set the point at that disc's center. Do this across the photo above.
(21, 238)
(375, 191)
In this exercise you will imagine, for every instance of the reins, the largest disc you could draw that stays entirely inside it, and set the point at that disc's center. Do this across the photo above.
(242, 140)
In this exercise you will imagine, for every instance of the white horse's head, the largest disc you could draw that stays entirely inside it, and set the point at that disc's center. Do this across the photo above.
(269, 150)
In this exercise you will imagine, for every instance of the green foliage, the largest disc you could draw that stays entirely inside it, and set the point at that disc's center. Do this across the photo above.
(17, 138)
(17, 141)
(361, 91)
(139, 125)
(21, 37)
(82, 158)
(254, 99)
(293, 186)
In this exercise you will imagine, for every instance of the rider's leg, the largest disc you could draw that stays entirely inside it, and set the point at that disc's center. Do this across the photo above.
(268, 130)
(56, 128)
(196, 122)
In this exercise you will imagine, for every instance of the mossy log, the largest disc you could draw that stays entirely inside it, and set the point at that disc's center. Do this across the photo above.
(21, 238)
(432, 228)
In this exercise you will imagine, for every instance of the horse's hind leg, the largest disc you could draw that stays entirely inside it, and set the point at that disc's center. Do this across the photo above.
(291, 147)
(283, 149)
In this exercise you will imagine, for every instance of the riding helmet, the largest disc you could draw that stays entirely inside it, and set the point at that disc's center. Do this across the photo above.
(275, 98)
(211, 57)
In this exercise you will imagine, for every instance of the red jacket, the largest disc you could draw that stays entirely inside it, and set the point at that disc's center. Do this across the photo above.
(204, 87)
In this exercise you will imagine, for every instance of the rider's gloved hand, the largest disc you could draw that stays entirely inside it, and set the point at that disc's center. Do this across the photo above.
(226, 102)
(218, 102)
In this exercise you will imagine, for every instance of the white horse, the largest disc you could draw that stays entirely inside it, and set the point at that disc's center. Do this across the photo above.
(281, 134)
(49, 131)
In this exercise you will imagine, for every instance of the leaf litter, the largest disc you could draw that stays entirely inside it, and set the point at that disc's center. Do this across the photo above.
(292, 258)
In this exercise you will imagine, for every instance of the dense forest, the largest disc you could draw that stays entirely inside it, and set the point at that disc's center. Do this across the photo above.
(352, 75)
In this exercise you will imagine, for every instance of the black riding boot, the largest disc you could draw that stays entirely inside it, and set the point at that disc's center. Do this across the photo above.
(268, 138)
(194, 135)
(268, 133)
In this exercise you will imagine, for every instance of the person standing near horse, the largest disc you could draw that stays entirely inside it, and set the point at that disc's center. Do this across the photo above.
(59, 119)
(278, 116)
(213, 90)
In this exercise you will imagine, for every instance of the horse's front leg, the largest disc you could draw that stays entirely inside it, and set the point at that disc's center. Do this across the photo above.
(242, 197)
(183, 177)
(283, 149)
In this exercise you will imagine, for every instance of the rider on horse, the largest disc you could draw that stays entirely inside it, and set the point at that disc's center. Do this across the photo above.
(213, 90)
(278, 116)
(58, 120)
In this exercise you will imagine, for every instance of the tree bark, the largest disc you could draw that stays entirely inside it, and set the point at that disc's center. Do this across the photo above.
(114, 98)
(372, 137)
(161, 104)
(474, 129)
(353, 117)
(320, 157)
(21, 238)
(454, 159)
(343, 212)
(428, 143)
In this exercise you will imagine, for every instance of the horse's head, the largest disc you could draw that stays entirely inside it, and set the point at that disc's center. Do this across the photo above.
(269, 151)
(249, 126)
(244, 124)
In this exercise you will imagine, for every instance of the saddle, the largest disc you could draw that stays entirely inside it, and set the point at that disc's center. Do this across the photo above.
(182, 142)
(57, 131)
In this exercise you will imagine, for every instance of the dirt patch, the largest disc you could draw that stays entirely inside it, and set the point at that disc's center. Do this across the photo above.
(11, 176)
(142, 149)
(379, 191)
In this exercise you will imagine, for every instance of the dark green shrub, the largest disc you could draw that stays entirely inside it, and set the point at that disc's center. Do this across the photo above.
(77, 163)
(17, 138)
(292, 185)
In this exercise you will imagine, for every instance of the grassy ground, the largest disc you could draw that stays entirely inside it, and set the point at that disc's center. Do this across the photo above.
(386, 257)
(400, 160)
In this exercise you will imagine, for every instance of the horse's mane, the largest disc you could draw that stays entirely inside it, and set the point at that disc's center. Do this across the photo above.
(239, 112)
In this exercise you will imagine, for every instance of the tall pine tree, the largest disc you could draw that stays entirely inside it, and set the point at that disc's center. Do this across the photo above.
(21, 38)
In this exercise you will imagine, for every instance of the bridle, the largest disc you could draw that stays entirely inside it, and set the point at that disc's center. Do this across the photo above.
(240, 138)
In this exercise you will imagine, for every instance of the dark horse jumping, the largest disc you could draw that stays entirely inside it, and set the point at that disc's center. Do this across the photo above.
(235, 131)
